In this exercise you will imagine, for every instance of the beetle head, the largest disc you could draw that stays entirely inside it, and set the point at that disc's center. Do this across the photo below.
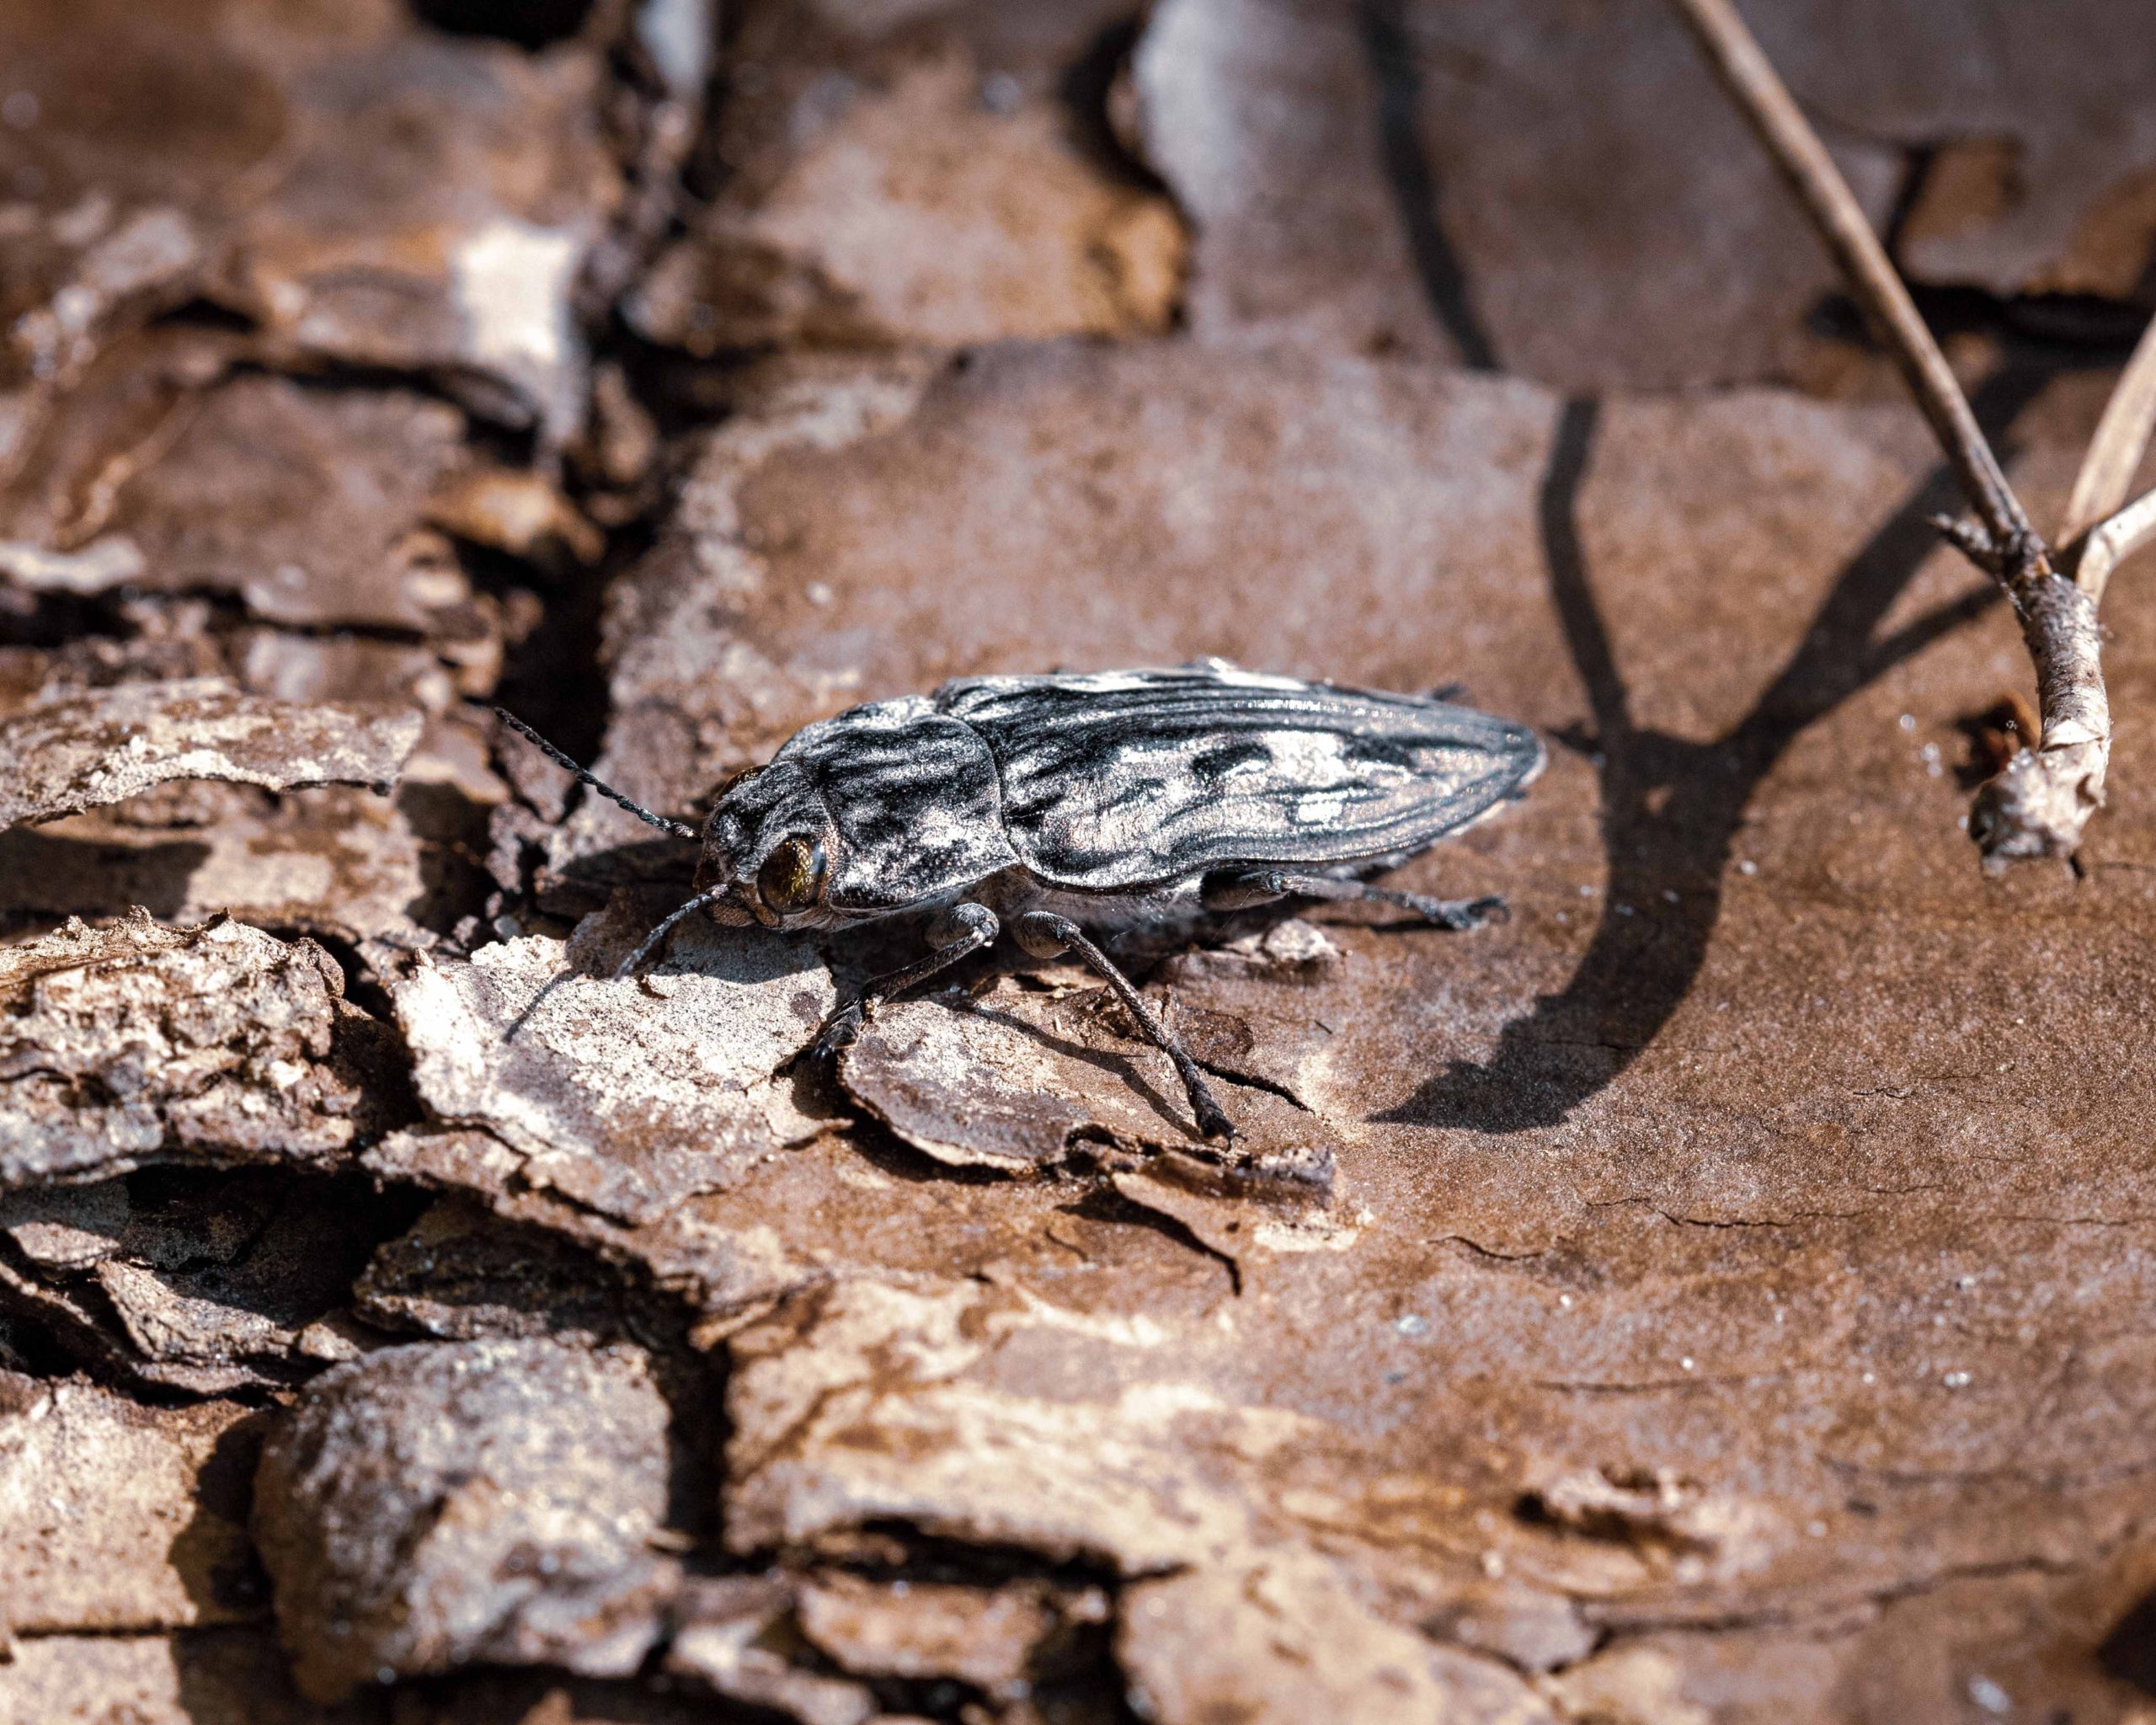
(771, 845)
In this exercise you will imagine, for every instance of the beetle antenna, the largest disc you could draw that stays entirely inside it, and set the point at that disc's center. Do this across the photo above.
(634, 962)
(680, 829)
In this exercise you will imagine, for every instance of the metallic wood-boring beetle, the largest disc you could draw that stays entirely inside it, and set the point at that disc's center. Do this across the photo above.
(1053, 804)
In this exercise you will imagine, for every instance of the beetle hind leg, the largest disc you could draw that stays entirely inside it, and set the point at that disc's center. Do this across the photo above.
(963, 930)
(1046, 935)
(1246, 889)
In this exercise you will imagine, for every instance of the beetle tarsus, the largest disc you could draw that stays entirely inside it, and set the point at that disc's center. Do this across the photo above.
(1211, 1122)
(1458, 914)
(839, 1029)
(1046, 935)
(1246, 889)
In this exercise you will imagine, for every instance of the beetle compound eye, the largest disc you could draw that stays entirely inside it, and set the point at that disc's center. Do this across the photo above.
(792, 877)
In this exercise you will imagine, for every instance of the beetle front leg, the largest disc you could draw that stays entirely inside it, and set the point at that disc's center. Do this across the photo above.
(1046, 935)
(1245, 888)
(959, 932)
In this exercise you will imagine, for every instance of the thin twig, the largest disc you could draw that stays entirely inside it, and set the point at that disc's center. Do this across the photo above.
(1751, 78)
(2098, 535)
(2038, 806)
(2110, 543)
(2121, 440)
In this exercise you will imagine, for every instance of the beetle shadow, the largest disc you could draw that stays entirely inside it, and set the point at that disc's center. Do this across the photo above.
(604, 935)
(1673, 807)
(1117, 1063)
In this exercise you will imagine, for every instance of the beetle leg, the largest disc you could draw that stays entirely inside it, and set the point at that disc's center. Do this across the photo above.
(960, 931)
(1045, 935)
(1242, 888)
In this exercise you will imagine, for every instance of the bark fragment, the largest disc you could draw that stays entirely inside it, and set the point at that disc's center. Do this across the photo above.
(532, 1041)
(306, 502)
(732, 1636)
(1403, 176)
(439, 1505)
(219, 1043)
(914, 181)
(373, 192)
(874, 1406)
(100, 749)
(1365, 180)
(1019, 1079)
(922, 1631)
(220, 1677)
(1277, 1642)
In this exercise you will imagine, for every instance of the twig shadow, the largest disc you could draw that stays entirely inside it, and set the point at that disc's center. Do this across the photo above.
(1672, 807)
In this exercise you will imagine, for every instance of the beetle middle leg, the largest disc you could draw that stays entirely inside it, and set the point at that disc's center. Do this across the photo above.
(1045, 935)
(1245, 888)
(959, 932)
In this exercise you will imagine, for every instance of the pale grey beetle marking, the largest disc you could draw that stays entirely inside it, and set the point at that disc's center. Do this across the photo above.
(1055, 804)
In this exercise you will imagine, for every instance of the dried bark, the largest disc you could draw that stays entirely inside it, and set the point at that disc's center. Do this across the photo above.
(439, 1505)
(98, 750)
(914, 181)
(1711, 1294)
(219, 1043)
(120, 1518)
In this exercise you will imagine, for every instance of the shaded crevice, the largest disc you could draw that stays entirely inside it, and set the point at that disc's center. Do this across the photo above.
(2075, 320)
(2128, 1652)
(529, 23)
(918, 1554)
(1475, 1248)
(553, 679)
(27, 1344)
(362, 987)
(1676, 1220)
(1089, 91)
(78, 1327)
(868, 1136)
(1917, 161)
(48, 621)
(2075, 328)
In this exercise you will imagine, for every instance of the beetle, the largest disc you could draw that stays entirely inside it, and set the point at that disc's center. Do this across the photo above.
(1107, 801)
